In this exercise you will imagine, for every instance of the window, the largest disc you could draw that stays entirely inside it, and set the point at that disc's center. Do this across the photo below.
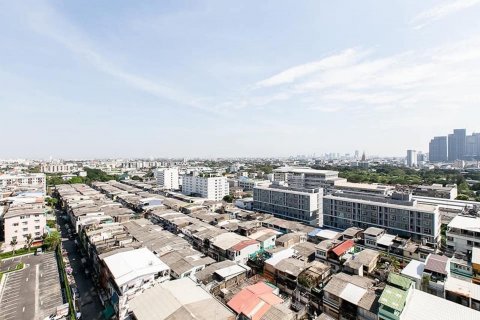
(15, 224)
(25, 229)
(37, 227)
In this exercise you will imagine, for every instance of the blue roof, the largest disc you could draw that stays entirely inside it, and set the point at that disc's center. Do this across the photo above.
(314, 232)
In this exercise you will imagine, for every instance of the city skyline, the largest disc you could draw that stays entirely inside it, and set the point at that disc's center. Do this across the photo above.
(209, 79)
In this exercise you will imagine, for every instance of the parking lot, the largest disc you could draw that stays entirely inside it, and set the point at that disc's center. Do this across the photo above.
(32, 293)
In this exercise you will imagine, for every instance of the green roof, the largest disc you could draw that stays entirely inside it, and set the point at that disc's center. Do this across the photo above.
(393, 298)
(399, 281)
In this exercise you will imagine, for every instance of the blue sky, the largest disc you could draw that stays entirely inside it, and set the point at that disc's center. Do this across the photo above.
(85, 79)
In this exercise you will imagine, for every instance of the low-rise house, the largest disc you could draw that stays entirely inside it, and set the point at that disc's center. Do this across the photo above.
(131, 272)
(185, 262)
(461, 268)
(363, 262)
(254, 301)
(423, 306)
(350, 297)
(414, 271)
(436, 271)
(177, 299)
(290, 239)
(310, 284)
(333, 253)
(222, 275)
(269, 266)
(352, 233)
(394, 297)
(266, 238)
(463, 233)
(463, 292)
(371, 236)
(287, 272)
(233, 247)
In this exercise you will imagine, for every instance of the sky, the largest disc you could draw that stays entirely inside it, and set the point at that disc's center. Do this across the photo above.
(95, 79)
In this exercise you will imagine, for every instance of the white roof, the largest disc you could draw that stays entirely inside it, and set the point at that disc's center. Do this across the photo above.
(352, 293)
(466, 223)
(130, 265)
(462, 287)
(476, 255)
(425, 306)
(230, 271)
(327, 234)
(414, 269)
(386, 240)
(279, 256)
(227, 240)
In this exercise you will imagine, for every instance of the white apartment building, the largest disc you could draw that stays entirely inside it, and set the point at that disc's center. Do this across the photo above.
(211, 188)
(463, 233)
(167, 178)
(28, 181)
(21, 221)
(58, 167)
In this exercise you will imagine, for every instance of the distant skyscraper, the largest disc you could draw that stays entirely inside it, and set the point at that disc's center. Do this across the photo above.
(364, 157)
(457, 144)
(357, 154)
(411, 158)
(437, 149)
(472, 148)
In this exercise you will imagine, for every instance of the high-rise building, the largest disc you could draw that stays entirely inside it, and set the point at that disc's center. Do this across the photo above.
(209, 187)
(411, 158)
(472, 148)
(457, 144)
(437, 149)
(167, 178)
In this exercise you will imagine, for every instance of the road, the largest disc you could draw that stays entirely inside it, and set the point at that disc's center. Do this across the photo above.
(90, 305)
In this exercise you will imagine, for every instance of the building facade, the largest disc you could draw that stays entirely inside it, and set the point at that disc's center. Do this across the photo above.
(457, 144)
(411, 158)
(398, 215)
(211, 188)
(438, 150)
(19, 222)
(167, 178)
(463, 234)
(58, 168)
(28, 181)
(303, 205)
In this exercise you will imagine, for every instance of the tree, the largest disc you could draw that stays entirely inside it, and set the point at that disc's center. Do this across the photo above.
(462, 197)
(52, 240)
(13, 243)
(29, 241)
(136, 178)
(228, 198)
(51, 202)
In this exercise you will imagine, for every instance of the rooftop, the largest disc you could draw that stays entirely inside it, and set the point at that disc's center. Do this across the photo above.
(425, 306)
(465, 223)
(436, 263)
(374, 231)
(178, 299)
(129, 265)
(414, 269)
(393, 298)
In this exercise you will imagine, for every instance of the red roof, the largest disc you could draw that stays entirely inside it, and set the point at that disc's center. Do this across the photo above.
(254, 301)
(343, 247)
(243, 244)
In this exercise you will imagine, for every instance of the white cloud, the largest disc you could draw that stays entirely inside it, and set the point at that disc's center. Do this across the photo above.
(48, 22)
(334, 61)
(445, 9)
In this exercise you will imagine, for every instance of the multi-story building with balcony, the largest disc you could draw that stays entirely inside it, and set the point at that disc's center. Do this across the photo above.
(307, 178)
(167, 178)
(21, 222)
(24, 181)
(463, 233)
(209, 187)
(398, 214)
(302, 205)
